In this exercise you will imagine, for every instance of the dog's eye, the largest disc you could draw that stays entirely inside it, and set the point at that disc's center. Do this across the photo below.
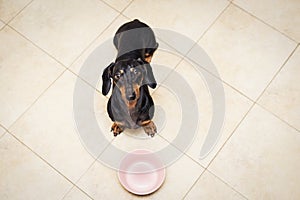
(133, 70)
(117, 75)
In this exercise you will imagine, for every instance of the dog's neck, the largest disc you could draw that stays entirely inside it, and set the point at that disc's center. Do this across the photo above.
(134, 55)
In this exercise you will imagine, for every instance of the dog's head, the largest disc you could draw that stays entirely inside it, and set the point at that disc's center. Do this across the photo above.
(128, 75)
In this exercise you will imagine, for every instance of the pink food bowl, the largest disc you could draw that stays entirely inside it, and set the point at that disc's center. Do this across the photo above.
(141, 172)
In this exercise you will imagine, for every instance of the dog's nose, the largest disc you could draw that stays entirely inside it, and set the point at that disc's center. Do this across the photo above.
(131, 97)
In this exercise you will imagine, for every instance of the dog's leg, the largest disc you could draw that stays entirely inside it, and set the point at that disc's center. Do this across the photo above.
(149, 127)
(117, 128)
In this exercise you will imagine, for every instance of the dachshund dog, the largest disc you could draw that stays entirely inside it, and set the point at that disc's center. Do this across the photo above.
(130, 104)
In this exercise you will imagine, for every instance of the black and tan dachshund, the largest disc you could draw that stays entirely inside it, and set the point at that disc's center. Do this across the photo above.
(130, 105)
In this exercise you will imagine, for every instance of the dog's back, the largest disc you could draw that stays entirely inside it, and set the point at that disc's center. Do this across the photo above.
(134, 39)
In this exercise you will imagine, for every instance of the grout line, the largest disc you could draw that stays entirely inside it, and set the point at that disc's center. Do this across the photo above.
(4, 24)
(279, 70)
(176, 52)
(125, 8)
(93, 41)
(27, 39)
(190, 61)
(77, 57)
(46, 162)
(123, 15)
(104, 2)
(17, 14)
(3, 127)
(68, 192)
(211, 25)
(1, 136)
(168, 75)
(274, 77)
(213, 174)
(278, 117)
(254, 103)
(179, 62)
(95, 160)
(262, 21)
(41, 94)
(166, 43)
(128, 5)
(207, 29)
(96, 38)
(183, 153)
(75, 186)
(188, 191)
(82, 79)
(5, 131)
(208, 171)
(195, 43)
(119, 11)
(84, 173)
(201, 35)
(229, 137)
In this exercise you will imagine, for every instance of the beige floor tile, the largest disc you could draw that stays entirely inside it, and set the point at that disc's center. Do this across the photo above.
(283, 15)
(107, 55)
(118, 4)
(187, 21)
(76, 194)
(1, 25)
(2, 131)
(168, 113)
(64, 28)
(25, 176)
(25, 72)
(179, 179)
(210, 187)
(50, 130)
(9, 9)
(102, 117)
(283, 95)
(102, 183)
(261, 160)
(243, 48)
(236, 107)
(163, 63)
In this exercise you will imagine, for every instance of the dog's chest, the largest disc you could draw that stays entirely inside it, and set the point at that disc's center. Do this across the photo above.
(132, 118)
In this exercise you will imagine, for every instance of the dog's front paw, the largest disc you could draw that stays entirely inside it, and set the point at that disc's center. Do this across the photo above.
(116, 129)
(150, 128)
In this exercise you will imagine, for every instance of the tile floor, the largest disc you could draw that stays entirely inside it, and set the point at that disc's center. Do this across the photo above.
(254, 46)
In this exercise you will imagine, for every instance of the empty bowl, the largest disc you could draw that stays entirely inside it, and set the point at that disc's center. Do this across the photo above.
(141, 172)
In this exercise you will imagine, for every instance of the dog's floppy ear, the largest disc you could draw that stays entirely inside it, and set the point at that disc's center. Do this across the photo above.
(149, 77)
(148, 74)
(106, 75)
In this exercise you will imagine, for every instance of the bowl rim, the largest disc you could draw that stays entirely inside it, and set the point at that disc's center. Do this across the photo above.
(160, 170)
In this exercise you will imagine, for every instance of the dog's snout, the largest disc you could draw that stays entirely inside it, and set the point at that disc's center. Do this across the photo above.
(131, 96)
